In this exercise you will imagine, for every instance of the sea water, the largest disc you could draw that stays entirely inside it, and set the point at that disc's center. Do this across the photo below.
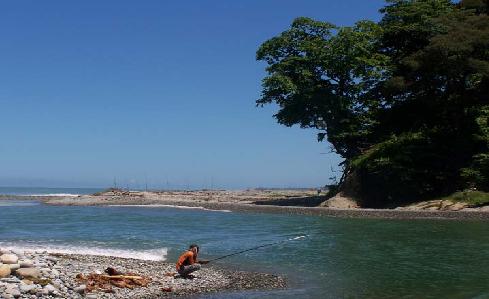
(340, 258)
(44, 191)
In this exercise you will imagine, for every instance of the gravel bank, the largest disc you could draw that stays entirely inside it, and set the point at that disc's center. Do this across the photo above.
(42, 275)
(466, 214)
(254, 202)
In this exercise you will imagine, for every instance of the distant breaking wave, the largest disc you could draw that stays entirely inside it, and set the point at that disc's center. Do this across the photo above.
(158, 254)
(54, 194)
(171, 206)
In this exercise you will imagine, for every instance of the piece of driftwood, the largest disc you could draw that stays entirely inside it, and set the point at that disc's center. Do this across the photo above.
(122, 277)
(104, 283)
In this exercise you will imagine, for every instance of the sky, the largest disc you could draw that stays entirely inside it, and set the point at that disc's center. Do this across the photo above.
(152, 91)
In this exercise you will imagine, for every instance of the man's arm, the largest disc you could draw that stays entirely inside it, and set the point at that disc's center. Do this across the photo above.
(198, 261)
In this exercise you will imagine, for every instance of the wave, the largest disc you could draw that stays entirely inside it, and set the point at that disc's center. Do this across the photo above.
(158, 254)
(171, 206)
(54, 194)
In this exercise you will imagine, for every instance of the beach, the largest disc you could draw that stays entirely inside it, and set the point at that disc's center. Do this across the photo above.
(39, 274)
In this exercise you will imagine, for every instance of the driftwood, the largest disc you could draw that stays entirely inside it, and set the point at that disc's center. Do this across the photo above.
(104, 283)
(122, 277)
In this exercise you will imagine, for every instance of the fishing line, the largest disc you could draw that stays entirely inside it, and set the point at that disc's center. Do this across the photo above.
(258, 247)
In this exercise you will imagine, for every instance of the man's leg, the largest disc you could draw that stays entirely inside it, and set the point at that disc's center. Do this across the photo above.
(186, 270)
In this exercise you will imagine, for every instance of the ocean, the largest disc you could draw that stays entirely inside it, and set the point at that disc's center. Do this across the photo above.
(43, 191)
(339, 258)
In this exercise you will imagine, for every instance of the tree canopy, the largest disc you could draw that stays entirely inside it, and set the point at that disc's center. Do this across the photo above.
(404, 101)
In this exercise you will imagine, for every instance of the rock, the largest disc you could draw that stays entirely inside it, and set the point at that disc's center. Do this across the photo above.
(80, 289)
(9, 258)
(57, 283)
(458, 206)
(14, 292)
(26, 264)
(28, 272)
(339, 201)
(18, 252)
(4, 271)
(14, 267)
(26, 281)
(10, 279)
(49, 288)
(52, 259)
(27, 288)
(91, 296)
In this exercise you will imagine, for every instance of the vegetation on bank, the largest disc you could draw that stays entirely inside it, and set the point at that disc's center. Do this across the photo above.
(472, 197)
(405, 101)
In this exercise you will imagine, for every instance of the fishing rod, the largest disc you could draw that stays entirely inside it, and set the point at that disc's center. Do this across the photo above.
(257, 247)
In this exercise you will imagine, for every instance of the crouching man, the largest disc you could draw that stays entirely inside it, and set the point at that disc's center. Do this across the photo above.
(188, 263)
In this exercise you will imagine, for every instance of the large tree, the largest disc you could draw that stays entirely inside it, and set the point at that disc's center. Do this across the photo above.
(403, 101)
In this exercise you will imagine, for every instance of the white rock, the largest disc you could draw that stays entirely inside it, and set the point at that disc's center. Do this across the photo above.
(14, 267)
(80, 289)
(10, 279)
(27, 288)
(9, 258)
(57, 283)
(13, 291)
(18, 252)
(26, 264)
(49, 288)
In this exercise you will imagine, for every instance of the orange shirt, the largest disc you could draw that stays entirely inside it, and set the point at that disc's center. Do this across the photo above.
(187, 258)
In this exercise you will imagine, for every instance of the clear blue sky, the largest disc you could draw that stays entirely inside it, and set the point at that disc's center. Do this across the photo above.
(92, 90)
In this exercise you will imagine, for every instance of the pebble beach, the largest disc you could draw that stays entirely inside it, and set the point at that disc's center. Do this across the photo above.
(39, 274)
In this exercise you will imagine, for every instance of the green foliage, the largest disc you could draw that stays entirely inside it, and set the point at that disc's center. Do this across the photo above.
(405, 101)
(472, 197)
(319, 74)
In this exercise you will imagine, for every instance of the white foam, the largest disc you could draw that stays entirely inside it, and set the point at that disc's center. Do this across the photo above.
(158, 254)
(171, 206)
(54, 195)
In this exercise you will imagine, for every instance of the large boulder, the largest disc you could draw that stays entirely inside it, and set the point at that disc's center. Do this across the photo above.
(9, 258)
(28, 273)
(4, 271)
(340, 201)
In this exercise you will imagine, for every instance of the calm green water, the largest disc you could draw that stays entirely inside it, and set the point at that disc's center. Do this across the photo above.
(341, 258)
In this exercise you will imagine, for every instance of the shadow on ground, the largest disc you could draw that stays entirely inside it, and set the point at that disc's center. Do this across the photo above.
(310, 201)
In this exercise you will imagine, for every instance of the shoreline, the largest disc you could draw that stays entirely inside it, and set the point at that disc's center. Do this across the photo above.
(292, 202)
(307, 211)
(48, 275)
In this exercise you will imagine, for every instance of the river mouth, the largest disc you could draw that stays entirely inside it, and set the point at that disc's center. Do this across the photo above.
(358, 258)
